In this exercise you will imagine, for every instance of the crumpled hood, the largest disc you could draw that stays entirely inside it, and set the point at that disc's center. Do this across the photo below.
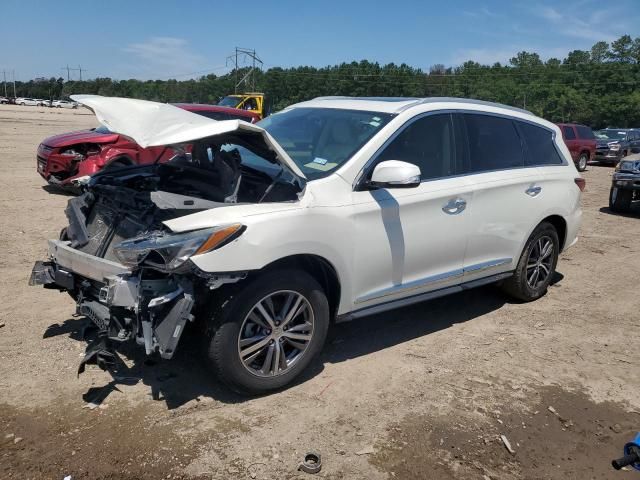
(81, 136)
(152, 124)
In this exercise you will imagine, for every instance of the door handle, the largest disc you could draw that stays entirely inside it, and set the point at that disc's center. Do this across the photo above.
(533, 191)
(455, 206)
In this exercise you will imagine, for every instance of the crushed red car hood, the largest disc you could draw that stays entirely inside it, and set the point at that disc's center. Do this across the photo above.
(80, 136)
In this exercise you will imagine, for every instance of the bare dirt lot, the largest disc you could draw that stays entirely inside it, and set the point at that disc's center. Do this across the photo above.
(423, 392)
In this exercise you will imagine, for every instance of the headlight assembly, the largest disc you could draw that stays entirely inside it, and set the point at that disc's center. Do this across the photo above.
(167, 252)
(614, 147)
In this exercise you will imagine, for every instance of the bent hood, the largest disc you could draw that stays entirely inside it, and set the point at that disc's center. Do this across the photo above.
(153, 124)
(81, 136)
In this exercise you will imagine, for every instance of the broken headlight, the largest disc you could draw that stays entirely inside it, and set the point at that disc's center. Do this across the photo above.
(167, 251)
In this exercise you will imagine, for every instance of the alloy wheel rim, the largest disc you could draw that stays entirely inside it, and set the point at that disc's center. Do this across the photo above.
(540, 262)
(276, 333)
(583, 162)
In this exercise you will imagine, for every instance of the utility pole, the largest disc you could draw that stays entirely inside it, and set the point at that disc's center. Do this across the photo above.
(4, 82)
(68, 74)
(244, 53)
(14, 84)
(69, 70)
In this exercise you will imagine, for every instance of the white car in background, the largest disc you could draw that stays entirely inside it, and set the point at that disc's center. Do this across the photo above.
(64, 104)
(43, 102)
(27, 101)
(330, 210)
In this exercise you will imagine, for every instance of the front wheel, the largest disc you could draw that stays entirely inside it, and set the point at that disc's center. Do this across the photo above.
(536, 266)
(582, 162)
(620, 200)
(268, 331)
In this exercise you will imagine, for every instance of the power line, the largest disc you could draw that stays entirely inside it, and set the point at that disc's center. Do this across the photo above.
(244, 54)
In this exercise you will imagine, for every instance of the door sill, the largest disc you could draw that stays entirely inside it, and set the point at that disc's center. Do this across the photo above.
(422, 297)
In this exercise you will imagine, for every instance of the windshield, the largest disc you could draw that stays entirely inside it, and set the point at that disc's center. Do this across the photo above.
(229, 102)
(611, 135)
(320, 140)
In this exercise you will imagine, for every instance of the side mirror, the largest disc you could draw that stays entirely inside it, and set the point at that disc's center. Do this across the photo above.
(395, 174)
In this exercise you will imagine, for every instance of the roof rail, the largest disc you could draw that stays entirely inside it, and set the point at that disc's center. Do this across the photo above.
(465, 100)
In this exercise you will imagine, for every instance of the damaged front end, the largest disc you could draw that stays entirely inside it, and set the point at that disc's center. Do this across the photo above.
(128, 274)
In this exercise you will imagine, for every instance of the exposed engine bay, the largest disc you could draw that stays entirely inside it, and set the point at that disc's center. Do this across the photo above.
(128, 273)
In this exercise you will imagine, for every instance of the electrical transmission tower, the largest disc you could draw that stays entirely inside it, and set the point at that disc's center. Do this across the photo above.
(69, 70)
(243, 55)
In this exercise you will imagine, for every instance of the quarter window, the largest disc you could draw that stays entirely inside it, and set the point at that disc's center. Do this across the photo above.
(540, 145)
(568, 133)
(426, 142)
(493, 142)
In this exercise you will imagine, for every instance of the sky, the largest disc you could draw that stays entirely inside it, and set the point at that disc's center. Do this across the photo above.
(185, 39)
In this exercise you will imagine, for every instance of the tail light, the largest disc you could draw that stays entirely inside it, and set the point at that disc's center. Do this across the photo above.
(581, 183)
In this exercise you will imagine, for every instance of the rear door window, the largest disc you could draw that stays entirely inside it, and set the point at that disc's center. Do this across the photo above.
(541, 149)
(493, 143)
(568, 133)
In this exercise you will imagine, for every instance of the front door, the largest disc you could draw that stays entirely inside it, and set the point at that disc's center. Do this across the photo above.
(412, 240)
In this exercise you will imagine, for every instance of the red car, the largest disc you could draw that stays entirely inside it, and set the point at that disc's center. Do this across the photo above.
(580, 141)
(62, 158)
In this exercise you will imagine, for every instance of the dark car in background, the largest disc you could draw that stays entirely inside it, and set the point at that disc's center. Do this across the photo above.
(580, 141)
(63, 158)
(625, 184)
(613, 144)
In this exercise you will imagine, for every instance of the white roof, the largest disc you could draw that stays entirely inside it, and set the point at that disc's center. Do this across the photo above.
(393, 104)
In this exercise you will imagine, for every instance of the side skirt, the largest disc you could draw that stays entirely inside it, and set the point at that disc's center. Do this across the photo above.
(422, 297)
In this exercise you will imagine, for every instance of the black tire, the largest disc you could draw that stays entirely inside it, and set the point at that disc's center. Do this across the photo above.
(518, 285)
(229, 315)
(620, 200)
(583, 159)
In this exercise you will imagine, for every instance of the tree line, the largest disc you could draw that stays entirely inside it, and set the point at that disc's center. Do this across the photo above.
(597, 87)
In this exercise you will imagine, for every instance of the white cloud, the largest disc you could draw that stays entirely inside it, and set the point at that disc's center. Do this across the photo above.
(162, 57)
(482, 12)
(583, 22)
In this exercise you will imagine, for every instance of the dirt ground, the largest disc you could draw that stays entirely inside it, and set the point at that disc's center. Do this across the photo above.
(422, 392)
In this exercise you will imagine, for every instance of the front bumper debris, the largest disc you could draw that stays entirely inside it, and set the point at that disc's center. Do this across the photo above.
(122, 304)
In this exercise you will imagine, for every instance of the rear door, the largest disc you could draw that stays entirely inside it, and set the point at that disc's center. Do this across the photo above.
(504, 194)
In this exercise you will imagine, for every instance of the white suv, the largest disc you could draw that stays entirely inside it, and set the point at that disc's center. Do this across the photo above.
(333, 209)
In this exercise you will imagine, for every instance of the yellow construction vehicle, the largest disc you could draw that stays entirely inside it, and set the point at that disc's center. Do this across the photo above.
(252, 101)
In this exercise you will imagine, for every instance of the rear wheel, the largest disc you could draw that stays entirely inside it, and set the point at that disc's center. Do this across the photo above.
(536, 266)
(267, 332)
(582, 162)
(620, 200)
